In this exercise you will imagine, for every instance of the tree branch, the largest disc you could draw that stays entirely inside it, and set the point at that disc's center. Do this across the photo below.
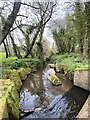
(10, 20)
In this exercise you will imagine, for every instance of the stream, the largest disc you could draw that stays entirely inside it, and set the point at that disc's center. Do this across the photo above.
(39, 98)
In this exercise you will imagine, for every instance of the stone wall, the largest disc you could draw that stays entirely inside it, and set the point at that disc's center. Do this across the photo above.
(82, 78)
(85, 111)
(9, 93)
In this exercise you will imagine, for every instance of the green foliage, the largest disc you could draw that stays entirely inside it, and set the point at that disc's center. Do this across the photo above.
(71, 61)
(15, 63)
(65, 37)
(12, 98)
(24, 63)
(75, 32)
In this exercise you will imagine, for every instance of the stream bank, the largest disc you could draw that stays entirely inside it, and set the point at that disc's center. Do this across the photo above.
(9, 96)
(13, 73)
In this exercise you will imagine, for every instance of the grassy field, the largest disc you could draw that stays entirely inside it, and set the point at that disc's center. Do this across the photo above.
(3, 58)
(71, 61)
(15, 63)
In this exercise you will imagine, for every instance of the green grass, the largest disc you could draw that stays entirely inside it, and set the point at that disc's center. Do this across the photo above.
(71, 61)
(15, 63)
(2, 55)
(4, 59)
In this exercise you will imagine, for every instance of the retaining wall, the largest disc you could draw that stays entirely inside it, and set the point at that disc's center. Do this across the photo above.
(82, 78)
(9, 93)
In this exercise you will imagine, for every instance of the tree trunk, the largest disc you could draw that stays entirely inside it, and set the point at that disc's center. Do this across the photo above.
(87, 38)
(85, 46)
(33, 42)
(15, 48)
(5, 49)
(40, 47)
(88, 26)
(10, 20)
(81, 45)
(9, 53)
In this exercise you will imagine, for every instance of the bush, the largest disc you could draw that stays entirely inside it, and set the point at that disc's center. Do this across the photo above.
(71, 61)
(24, 63)
(15, 63)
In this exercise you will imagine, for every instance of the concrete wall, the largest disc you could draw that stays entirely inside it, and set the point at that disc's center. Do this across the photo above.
(85, 111)
(82, 78)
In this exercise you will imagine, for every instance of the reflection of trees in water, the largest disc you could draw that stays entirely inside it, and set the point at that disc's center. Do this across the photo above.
(37, 87)
(36, 84)
(63, 105)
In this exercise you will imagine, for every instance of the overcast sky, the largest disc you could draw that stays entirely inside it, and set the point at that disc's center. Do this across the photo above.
(57, 17)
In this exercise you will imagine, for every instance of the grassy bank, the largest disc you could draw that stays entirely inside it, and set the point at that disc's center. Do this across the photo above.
(13, 71)
(71, 61)
(15, 63)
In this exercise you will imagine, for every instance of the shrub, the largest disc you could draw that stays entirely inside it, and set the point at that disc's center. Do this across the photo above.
(70, 61)
(18, 63)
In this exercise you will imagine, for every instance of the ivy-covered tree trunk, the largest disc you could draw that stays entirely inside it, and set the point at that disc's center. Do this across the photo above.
(80, 24)
(40, 47)
(86, 48)
(32, 44)
(15, 48)
(88, 25)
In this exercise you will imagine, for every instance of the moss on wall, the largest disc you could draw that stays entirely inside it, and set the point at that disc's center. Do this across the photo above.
(14, 76)
(12, 98)
(23, 72)
(82, 69)
(11, 87)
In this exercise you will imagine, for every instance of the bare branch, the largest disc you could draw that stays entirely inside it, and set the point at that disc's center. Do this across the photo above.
(10, 20)
(29, 5)
(22, 16)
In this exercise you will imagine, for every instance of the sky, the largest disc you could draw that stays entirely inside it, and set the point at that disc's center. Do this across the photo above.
(57, 17)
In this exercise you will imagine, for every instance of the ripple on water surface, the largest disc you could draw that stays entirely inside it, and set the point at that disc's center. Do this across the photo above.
(54, 101)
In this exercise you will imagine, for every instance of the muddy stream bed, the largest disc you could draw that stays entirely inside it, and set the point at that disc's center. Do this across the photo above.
(39, 98)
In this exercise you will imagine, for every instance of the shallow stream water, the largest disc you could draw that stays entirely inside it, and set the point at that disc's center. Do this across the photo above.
(44, 100)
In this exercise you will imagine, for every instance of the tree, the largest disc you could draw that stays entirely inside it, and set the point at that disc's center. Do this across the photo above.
(40, 47)
(15, 48)
(87, 27)
(5, 47)
(64, 35)
(43, 12)
(9, 21)
(80, 24)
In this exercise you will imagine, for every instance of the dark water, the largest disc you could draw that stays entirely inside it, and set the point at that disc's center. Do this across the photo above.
(45, 100)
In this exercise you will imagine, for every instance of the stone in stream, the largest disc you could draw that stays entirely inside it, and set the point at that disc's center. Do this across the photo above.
(57, 67)
(28, 111)
(54, 79)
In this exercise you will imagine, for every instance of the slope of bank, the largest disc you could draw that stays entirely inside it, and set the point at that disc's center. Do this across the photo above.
(14, 71)
(71, 61)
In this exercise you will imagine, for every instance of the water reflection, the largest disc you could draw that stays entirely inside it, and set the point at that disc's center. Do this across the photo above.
(48, 101)
(38, 91)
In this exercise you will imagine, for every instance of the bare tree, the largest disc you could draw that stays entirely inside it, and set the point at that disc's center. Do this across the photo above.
(43, 12)
(9, 21)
